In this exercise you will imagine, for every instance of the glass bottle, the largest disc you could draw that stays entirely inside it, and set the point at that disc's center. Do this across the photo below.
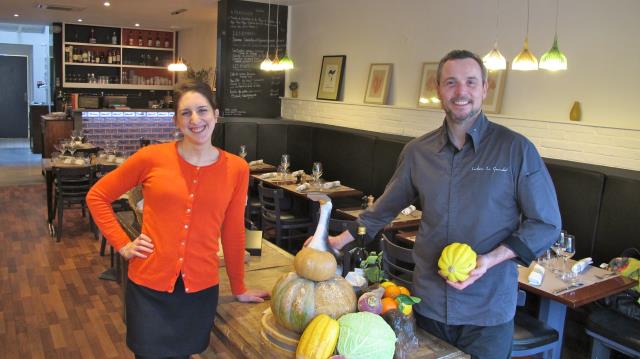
(359, 253)
(140, 43)
(149, 40)
(114, 38)
(92, 39)
(157, 40)
(166, 41)
(130, 38)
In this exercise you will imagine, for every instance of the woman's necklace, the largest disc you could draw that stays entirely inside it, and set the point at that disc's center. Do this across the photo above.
(209, 156)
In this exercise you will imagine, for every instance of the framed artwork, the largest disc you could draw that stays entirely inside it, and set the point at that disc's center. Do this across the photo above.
(428, 94)
(495, 84)
(331, 73)
(378, 84)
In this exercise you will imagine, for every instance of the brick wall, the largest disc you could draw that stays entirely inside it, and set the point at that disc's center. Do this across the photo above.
(569, 141)
(127, 128)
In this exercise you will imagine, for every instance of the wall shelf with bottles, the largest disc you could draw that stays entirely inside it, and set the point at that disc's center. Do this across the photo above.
(117, 58)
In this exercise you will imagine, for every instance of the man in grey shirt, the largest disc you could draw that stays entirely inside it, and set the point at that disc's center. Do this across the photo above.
(478, 183)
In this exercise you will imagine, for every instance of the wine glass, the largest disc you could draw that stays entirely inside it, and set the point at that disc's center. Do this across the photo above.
(82, 137)
(71, 147)
(568, 251)
(177, 135)
(316, 172)
(284, 162)
(558, 247)
(243, 151)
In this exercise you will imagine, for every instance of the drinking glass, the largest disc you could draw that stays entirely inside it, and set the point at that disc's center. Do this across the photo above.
(568, 251)
(557, 248)
(177, 135)
(284, 162)
(316, 172)
(243, 151)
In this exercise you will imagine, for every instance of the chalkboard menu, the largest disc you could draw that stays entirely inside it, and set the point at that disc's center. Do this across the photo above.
(243, 90)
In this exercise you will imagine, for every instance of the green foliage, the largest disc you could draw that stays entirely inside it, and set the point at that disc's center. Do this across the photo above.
(202, 75)
(372, 267)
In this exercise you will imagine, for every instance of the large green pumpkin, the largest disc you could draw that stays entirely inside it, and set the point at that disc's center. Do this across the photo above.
(295, 301)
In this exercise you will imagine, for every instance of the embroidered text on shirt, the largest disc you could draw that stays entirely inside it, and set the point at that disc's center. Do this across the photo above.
(487, 168)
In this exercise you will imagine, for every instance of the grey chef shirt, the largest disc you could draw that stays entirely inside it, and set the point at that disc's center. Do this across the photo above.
(495, 190)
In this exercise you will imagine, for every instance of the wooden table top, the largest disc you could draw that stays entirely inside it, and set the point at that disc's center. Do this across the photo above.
(48, 164)
(237, 325)
(401, 220)
(586, 294)
(290, 186)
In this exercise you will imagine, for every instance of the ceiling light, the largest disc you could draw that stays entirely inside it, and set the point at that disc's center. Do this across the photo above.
(137, 25)
(554, 59)
(16, 15)
(494, 59)
(107, 4)
(79, 20)
(525, 60)
(179, 66)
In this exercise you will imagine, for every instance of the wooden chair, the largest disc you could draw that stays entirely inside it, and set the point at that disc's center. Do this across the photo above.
(287, 227)
(71, 187)
(530, 336)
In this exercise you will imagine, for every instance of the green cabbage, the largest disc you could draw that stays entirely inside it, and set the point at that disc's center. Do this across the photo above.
(365, 335)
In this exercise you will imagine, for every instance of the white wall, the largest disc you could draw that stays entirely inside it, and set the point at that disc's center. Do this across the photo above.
(599, 39)
(12, 43)
(197, 46)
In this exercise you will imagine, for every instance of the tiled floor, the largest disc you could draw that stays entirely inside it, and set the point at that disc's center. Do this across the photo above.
(18, 166)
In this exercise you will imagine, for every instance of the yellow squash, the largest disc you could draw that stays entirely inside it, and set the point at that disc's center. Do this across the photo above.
(319, 338)
(456, 261)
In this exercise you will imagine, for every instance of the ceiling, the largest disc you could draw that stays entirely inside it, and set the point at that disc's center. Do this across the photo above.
(151, 14)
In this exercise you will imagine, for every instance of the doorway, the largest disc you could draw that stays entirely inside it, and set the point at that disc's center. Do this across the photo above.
(14, 122)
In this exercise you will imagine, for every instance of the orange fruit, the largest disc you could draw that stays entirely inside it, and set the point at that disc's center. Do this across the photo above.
(388, 304)
(404, 290)
(386, 284)
(392, 291)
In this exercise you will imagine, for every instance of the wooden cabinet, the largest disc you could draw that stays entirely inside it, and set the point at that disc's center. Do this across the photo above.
(53, 130)
(35, 129)
(100, 57)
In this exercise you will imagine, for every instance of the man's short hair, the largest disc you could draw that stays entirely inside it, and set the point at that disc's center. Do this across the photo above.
(460, 55)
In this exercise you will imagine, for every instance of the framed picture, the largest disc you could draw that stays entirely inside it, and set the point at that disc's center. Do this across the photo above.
(331, 72)
(495, 83)
(428, 94)
(378, 84)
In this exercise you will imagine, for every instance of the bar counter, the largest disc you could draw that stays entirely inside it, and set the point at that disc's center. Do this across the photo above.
(236, 332)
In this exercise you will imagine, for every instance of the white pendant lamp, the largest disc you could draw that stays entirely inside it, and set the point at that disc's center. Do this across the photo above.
(178, 66)
(266, 64)
(554, 59)
(525, 60)
(494, 60)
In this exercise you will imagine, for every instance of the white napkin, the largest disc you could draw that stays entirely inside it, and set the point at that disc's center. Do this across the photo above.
(329, 185)
(67, 161)
(298, 172)
(407, 211)
(302, 187)
(79, 161)
(580, 265)
(536, 275)
(119, 160)
(268, 175)
(111, 158)
(256, 162)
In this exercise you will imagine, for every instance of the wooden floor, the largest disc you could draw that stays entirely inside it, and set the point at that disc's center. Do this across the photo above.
(53, 304)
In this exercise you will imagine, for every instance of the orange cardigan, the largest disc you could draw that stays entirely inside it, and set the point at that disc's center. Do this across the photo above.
(186, 209)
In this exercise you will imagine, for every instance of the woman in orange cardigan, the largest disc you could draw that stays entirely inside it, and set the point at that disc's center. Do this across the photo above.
(194, 193)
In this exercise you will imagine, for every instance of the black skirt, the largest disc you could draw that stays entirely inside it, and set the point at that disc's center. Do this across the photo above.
(162, 324)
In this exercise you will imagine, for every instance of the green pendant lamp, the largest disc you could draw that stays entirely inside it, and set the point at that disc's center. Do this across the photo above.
(554, 59)
(266, 64)
(525, 60)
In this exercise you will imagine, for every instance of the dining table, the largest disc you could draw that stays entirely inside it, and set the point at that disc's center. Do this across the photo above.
(556, 295)
(48, 164)
(290, 184)
(238, 329)
(401, 221)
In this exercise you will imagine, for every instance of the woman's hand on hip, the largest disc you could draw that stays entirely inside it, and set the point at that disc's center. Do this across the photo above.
(140, 247)
(253, 296)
